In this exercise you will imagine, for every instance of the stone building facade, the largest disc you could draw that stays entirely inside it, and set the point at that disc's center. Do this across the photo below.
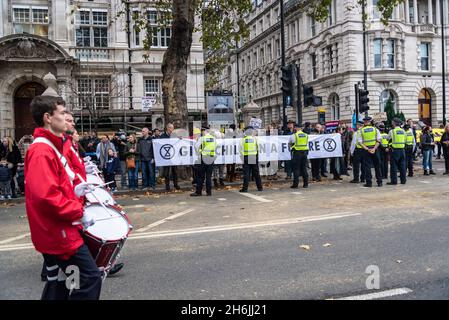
(85, 46)
(404, 60)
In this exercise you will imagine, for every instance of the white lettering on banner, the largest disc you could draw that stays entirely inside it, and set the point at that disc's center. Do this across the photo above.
(181, 152)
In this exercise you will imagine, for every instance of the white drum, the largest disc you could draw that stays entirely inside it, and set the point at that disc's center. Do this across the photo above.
(107, 236)
(94, 179)
(100, 195)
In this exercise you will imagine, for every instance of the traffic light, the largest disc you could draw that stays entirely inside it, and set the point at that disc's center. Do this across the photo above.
(308, 95)
(363, 100)
(287, 83)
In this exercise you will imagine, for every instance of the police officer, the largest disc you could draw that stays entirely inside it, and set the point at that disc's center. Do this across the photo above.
(409, 148)
(383, 151)
(299, 142)
(249, 151)
(370, 139)
(206, 146)
(357, 156)
(398, 138)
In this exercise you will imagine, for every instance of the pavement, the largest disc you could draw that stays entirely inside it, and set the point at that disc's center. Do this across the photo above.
(333, 240)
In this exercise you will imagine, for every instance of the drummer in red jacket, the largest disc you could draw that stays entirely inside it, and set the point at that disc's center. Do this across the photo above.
(53, 207)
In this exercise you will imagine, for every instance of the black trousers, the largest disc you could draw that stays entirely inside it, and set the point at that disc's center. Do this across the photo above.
(204, 171)
(398, 162)
(299, 166)
(371, 160)
(409, 159)
(81, 263)
(383, 154)
(251, 167)
(446, 159)
(316, 167)
(357, 165)
(174, 176)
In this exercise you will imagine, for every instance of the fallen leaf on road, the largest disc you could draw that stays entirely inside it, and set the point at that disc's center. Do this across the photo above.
(156, 196)
(429, 269)
(147, 209)
(326, 245)
(242, 208)
(136, 199)
(305, 247)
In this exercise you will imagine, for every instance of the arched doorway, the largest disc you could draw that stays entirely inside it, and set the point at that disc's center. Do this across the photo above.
(24, 123)
(425, 107)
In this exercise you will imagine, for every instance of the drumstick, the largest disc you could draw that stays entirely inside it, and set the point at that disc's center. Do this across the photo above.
(101, 203)
(96, 220)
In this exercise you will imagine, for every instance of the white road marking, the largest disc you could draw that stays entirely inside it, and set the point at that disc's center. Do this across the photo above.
(426, 182)
(160, 234)
(253, 196)
(134, 206)
(221, 199)
(297, 193)
(155, 224)
(15, 238)
(379, 295)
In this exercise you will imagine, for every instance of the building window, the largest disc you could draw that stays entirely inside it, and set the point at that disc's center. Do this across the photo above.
(278, 48)
(92, 29)
(376, 14)
(330, 55)
(377, 53)
(425, 54)
(312, 26)
(31, 20)
(330, 14)
(385, 96)
(313, 65)
(411, 12)
(93, 93)
(268, 18)
(136, 36)
(270, 53)
(293, 33)
(334, 102)
(269, 85)
(161, 34)
(391, 54)
(152, 87)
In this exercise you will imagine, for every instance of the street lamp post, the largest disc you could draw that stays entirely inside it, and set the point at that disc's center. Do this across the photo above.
(443, 61)
(284, 95)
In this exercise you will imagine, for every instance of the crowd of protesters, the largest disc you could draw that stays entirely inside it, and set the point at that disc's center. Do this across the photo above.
(129, 157)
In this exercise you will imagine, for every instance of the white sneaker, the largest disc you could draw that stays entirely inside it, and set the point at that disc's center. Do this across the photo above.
(2, 198)
(8, 197)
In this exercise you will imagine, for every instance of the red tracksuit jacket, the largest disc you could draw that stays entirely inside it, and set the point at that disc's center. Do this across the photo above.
(51, 203)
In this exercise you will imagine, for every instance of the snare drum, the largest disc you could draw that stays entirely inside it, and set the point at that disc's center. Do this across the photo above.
(100, 195)
(94, 179)
(107, 236)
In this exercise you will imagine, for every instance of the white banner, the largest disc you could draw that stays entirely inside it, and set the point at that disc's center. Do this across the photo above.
(181, 152)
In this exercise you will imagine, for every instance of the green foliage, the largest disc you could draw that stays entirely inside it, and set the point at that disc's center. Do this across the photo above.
(389, 109)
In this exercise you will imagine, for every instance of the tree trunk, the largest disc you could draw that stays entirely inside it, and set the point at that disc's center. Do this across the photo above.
(174, 64)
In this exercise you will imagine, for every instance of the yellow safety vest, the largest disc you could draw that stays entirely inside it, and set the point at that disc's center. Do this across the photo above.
(301, 141)
(384, 139)
(409, 137)
(369, 136)
(398, 138)
(208, 145)
(356, 137)
(249, 146)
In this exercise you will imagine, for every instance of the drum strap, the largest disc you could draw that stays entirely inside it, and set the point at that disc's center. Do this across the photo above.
(76, 154)
(63, 160)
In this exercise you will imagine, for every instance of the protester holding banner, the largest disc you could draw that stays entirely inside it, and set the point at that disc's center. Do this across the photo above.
(170, 169)
(206, 147)
(299, 142)
(338, 163)
(316, 163)
(249, 150)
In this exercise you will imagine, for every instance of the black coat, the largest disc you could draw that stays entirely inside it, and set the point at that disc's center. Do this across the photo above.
(145, 147)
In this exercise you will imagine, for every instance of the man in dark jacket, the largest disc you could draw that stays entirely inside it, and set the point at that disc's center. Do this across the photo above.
(119, 142)
(145, 147)
(170, 169)
(445, 144)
